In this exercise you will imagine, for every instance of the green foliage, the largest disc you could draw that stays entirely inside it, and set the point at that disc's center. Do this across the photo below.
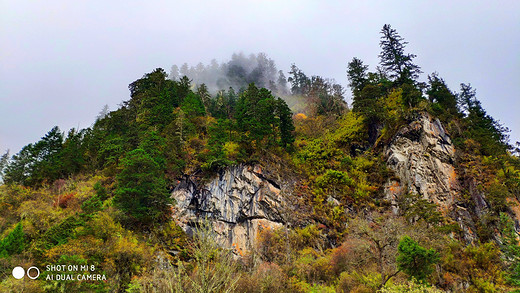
(141, 190)
(413, 207)
(511, 249)
(415, 260)
(350, 133)
(357, 76)
(410, 287)
(286, 124)
(56, 235)
(368, 103)
(94, 203)
(337, 164)
(439, 93)
(38, 162)
(261, 119)
(73, 157)
(193, 106)
(153, 99)
(13, 243)
(393, 57)
(334, 183)
(411, 95)
(319, 155)
(481, 127)
(323, 96)
(299, 81)
(255, 116)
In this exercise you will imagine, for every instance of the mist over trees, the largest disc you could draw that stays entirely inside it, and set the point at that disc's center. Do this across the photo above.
(237, 73)
(303, 94)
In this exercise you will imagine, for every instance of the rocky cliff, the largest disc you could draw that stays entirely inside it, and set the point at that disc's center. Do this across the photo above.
(421, 154)
(239, 201)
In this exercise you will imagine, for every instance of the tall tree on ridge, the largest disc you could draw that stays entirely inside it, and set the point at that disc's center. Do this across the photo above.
(393, 58)
(357, 76)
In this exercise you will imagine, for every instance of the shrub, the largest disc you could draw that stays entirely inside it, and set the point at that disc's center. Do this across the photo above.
(415, 260)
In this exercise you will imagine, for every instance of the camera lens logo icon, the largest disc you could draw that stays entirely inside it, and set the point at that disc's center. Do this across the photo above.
(32, 272)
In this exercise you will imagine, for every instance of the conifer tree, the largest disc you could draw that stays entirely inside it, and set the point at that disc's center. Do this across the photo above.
(394, 59)
(415, 260)
(286, 123)
(357, 76)
(438, 92)
(13, 243)
(141, 192)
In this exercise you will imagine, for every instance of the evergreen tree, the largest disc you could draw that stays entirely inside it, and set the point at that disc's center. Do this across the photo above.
(255, 115)
(73, 152)
(415, 260)
(300, 83)
(153, 98)
(438, 92)
(394, 59)
(286, 123)
(467, 100)
(183, 87)
(37, 162)
(141, 192)
(193, 106)
(357, 76)
(4, 162)
(480, 126)
(368, 104)
(204, 95)
(411, 95)
(21, 166)
(282, 83)
(13, 243)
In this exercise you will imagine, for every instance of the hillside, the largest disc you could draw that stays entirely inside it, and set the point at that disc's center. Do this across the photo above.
(233, 178)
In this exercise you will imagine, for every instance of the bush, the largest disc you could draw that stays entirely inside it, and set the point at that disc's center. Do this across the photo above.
(415, 260)
(13, 243)
(410, 287)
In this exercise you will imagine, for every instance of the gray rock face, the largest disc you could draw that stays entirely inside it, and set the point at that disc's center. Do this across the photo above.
(421, 155)
(239, 202)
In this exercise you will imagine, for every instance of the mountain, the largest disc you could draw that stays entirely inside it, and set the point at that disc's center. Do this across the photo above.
(256, 182)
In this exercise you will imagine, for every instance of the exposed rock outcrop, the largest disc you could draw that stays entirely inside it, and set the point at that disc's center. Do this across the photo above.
(421, 154)
(239, 201)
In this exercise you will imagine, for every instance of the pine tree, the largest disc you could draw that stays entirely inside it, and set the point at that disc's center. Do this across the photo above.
(204, 95)
(300, 83)
(481, 127)
(255, 115)
(415, 260)
(13, 243)
(357, 76)
(286, 123)
(141, 192)
(393, 58)
(438, 92)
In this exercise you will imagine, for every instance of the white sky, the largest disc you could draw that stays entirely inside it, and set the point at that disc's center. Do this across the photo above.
(61, 61)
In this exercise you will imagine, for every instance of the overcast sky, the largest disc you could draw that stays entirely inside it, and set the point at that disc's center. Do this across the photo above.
(61, 61)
